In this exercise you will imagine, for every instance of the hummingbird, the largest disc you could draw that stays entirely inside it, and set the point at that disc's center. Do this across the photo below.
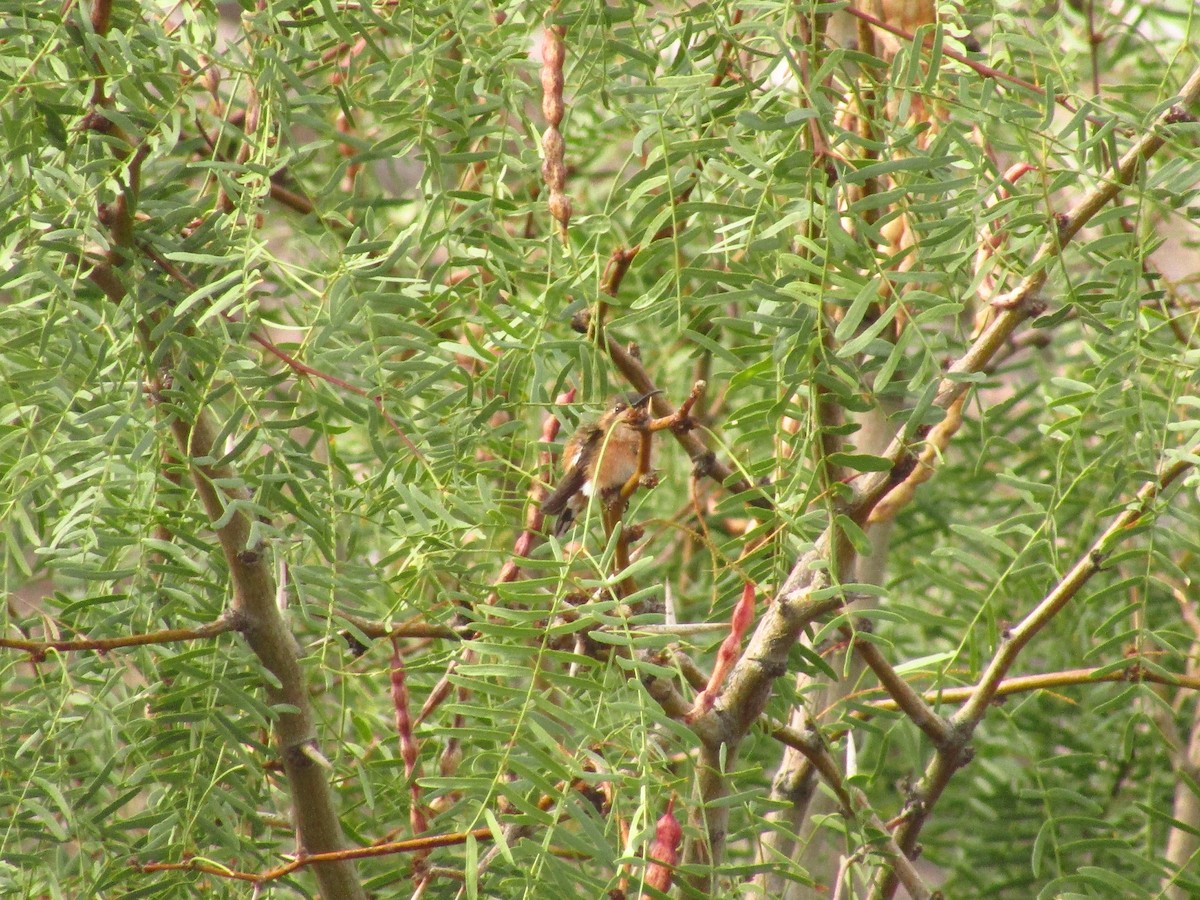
(600, 456)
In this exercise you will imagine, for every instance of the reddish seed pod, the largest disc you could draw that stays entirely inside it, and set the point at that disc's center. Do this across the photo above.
(664, 852)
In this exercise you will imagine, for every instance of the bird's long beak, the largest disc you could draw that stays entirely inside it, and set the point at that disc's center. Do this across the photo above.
(642, 400)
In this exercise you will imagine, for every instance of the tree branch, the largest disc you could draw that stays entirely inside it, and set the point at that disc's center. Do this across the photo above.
(265, 630)
(39, 649)
(809, 590)
(949, 760)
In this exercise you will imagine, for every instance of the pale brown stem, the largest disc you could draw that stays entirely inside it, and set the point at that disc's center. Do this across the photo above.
(259, 620)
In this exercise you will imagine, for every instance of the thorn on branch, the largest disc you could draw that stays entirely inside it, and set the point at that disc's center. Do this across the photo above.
(307, 754)
(704, 465)
(356, 647)
(903, 468)
(1135, 673)
(1177, 114)
(914, 806)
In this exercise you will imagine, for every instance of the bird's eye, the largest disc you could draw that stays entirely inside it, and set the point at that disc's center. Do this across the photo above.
(620, 407)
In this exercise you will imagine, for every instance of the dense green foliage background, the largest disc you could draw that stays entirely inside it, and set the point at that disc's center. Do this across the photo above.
(361, 187)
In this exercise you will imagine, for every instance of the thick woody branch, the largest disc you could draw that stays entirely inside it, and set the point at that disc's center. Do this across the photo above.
(940, 731)
(265, 630)
(254, 611)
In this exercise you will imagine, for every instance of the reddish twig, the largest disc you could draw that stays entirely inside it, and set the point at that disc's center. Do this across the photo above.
(534, 518)
(979, 68)
(414, 845)
(524, 545)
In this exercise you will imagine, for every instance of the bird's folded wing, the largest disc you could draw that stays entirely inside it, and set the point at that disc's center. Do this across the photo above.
(567, 486)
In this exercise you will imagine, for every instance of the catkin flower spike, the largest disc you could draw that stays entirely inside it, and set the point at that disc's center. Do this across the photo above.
(554, 167)
(664, 852)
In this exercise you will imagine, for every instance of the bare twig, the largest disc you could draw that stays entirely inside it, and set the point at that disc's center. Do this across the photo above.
(851, 800)
(912, 703)
(415, 845)
(1049, 681)
(39, 649)
(979, 68)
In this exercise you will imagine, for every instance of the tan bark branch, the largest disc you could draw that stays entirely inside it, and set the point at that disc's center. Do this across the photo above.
(1049, 681)
(415, 845)
(979, 68)
(1015, 639)
(39, 649)
(414, 628)
(268, 635)
(938, 729)
(254, 609)
(852, 802)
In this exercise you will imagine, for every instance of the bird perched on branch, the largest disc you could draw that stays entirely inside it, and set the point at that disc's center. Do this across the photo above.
(601, 457)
